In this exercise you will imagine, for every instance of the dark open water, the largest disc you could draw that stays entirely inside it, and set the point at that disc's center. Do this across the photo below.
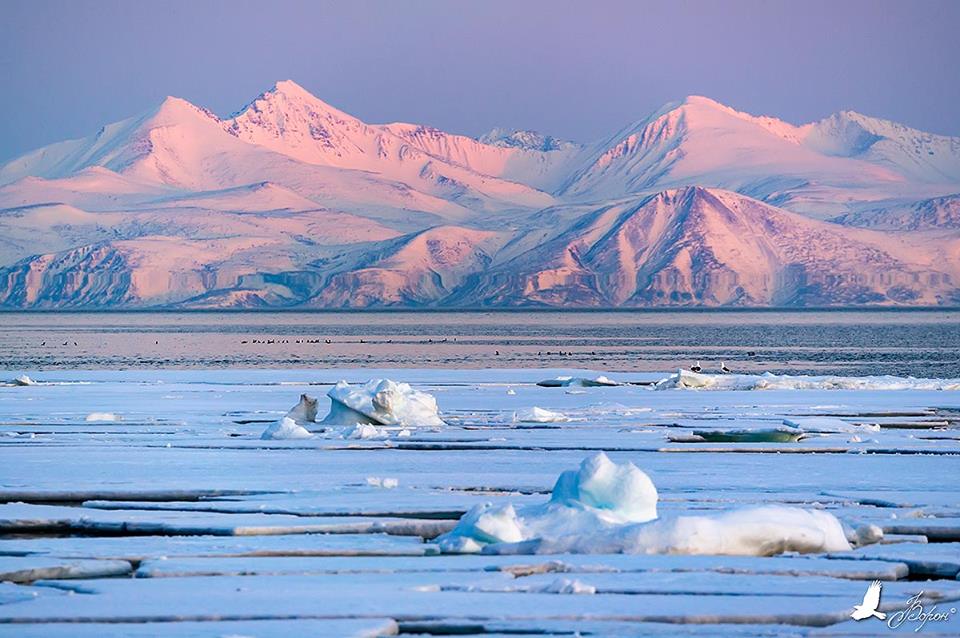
(899, 342)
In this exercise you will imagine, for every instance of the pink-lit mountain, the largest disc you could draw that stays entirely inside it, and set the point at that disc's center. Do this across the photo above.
(292, 202)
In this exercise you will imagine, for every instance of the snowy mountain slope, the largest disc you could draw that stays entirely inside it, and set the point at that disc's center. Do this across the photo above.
(912, 153)
(130, 272)
(525, 140)
(180, 147)
(523, 156)
(289, 120)
(937, 213)
(706, 246)
(423, 269)
(257, 198)
(293, 202)
(817, 169)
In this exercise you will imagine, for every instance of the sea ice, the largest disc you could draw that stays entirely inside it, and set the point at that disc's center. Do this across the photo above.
(23, 380)
(103, 416)
(606, 507)
(685, 379)
(619, 493)
(381, 402)
(566, 586)
(384, 482)
(828, 425)
(600, 493)
(363, 431)
(539, 415)
(285, 428)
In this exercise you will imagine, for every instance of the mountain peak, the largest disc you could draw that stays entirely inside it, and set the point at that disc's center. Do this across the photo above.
(701, 100)
(291, 88)
(176, 109)
(526, 140)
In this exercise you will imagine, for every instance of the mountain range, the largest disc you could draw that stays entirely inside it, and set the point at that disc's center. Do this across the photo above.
(291, 202)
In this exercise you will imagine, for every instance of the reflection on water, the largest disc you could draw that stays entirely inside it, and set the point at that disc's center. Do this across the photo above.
(918, 343)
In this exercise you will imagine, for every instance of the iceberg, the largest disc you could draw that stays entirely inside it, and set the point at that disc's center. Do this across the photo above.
(685, 379)
(605, 507)
(24, 380)
(381, 402)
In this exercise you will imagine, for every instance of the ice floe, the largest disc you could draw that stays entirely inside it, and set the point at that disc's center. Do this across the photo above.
(828, 425)
(685, 379)
(24, 380)
(606, 507)
(381, 402)
(783, 434)
(580, 382)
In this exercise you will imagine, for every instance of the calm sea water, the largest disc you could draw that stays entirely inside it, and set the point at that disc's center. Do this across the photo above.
(918, 343)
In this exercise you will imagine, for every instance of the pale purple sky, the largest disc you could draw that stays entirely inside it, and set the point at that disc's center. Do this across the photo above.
(579, 70)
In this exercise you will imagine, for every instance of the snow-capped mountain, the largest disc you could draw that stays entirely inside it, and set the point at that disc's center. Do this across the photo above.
(831, 166)
(526, 140)
(292, 201)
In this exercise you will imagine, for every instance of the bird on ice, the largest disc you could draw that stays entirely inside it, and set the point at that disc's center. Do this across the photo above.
(696, 368)
(871, 600)
(724, 369)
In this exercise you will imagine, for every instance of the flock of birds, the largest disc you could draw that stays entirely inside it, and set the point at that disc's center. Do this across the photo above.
(694, 368)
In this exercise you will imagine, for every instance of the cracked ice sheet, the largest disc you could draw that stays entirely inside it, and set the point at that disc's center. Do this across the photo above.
(24, 517)
(156, 547)
(113, 468)
(22, 569)
(348, 500)
(200, 409)
(428, 596)
(559, 565)
(344, 628)
(942, 559)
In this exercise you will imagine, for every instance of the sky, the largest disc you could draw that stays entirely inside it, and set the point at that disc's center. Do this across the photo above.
(579, 70)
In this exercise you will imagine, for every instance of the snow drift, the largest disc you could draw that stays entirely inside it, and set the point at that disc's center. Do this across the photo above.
(684, 379)
(606, 507)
